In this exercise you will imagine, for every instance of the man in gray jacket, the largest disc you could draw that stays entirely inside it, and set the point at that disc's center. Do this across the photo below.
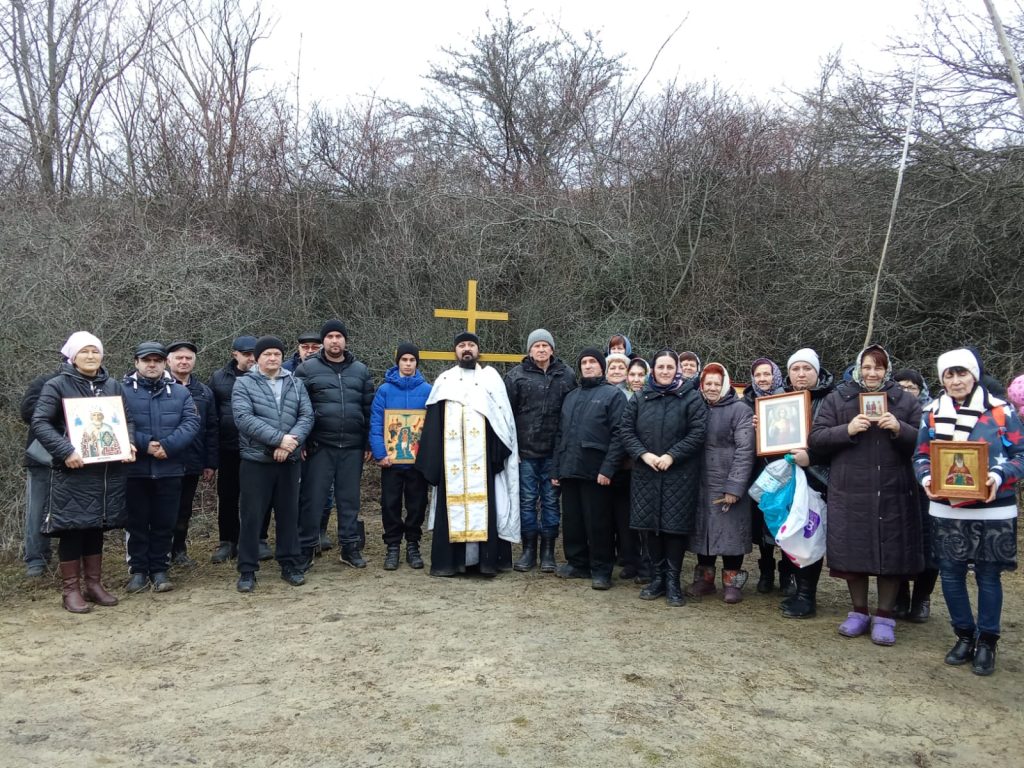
(274, 416)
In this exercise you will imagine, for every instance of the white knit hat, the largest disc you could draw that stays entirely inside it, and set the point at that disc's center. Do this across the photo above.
(805, 355)
(959, 358)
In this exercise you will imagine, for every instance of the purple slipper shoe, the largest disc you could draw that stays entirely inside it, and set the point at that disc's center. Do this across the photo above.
(856, 624)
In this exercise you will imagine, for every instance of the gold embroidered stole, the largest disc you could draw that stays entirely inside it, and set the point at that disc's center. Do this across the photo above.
(465, 467)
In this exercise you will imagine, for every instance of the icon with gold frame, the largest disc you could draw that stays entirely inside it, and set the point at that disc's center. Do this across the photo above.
(959, 469)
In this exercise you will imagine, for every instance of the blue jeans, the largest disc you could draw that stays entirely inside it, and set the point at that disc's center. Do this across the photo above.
(534, 483)
(990, 595)
(37, 546)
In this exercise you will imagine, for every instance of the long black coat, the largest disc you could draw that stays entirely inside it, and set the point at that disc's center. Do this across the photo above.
(874, 523)
(658, 423)
(94, 495)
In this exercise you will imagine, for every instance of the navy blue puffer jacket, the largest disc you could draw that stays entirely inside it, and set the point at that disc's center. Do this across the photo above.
(163, 410)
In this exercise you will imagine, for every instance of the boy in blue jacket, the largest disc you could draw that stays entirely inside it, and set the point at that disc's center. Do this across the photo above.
(404, 389)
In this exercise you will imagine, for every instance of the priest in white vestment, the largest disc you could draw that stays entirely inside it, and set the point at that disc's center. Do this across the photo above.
(468, 454)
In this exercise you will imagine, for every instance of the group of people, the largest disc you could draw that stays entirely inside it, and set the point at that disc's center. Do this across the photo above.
(633, 462)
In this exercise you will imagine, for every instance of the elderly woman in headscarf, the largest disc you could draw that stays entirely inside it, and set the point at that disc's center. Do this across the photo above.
(723, 512)
(85, 499)
(874, 523)
(981, 532)
(766, 379)
(662, 431)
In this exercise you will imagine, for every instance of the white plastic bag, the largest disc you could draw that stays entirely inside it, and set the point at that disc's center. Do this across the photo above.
(802, 535)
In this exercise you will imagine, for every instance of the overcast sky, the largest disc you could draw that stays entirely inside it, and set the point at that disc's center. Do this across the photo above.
(756, 47)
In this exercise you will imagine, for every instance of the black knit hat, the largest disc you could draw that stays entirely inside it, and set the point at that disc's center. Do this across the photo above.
(593, 352)
(909, 374)
(268, 342)
(466, 336)
(407, 348)
(331, 326)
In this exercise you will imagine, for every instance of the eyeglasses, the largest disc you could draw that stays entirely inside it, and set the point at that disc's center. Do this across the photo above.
(911, 388)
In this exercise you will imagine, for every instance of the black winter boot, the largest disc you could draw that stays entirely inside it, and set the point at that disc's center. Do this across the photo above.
(766, 581)
(412, 555)
(391, 557)
(963, 650)
(803, 604)
(548, 564)
(528, 560)
(673, 590)
(985, 654)
(656, 587)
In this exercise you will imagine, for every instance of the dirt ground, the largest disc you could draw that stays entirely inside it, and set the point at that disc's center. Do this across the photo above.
(374, 668)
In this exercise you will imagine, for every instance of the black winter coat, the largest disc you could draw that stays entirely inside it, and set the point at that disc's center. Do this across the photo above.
(674, 423)
(341, 394)
(203, 452)
(28, 407)
(222, 383)
(536, 397)
(874, 521)
(94, 495)
(163, 410)
(590, 415)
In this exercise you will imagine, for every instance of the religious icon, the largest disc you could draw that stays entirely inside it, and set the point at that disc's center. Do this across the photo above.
(402, 432)
(98, 429)
(959, 469)
(783, 422)
(873, 404)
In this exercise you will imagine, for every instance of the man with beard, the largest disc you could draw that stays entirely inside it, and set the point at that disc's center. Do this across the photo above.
(468, 452)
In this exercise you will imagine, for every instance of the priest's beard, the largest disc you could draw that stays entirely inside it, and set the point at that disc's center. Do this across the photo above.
(467, 362)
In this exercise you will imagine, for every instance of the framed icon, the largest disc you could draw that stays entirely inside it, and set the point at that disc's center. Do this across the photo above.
(783, 422)
(97, 428)
(960, 469)
(873, 404)
(402, 432)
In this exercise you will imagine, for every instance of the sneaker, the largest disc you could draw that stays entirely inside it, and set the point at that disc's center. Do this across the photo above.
(224, 552)
(351, 555)
(266, 553)
(412, 554)
(856, 624)
(183, 560)
(883, 631)
(161, 583)
(391, 558)
(295, 578)
(139, 582)
(246, 582)
(325, 541)
(35, 570)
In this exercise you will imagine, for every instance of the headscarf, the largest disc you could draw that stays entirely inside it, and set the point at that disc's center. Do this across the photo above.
(778, 383)
(677, 380)
(626, 343)
(76, 341)
(876, 349)
(726, 381)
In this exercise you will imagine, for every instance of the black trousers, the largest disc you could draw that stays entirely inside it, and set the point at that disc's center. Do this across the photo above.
(74, 545)
(227, 496)
(627, 541)
(265, 486)
(343, 468)
(588, 526)
(189, 484)
(667, 547)
(152, 512)
(396, 485)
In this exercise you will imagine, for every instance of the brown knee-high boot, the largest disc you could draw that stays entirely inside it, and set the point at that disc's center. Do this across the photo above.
(71, 595)
(94, 591)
